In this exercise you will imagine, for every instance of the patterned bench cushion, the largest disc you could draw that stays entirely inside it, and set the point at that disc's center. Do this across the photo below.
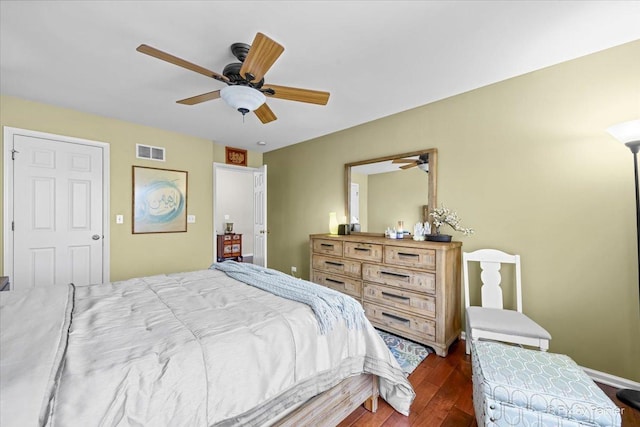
(516, 386)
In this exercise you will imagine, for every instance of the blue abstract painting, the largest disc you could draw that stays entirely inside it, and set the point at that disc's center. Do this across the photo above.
(159, 200)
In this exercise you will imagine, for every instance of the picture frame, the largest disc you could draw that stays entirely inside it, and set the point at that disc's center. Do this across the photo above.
(159, 200)
(235, 156)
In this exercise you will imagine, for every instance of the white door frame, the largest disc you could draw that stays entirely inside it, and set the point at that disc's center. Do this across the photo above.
(7, 214)
(217, 216)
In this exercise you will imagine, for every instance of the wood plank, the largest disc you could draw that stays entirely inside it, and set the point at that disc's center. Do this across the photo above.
(457, 418)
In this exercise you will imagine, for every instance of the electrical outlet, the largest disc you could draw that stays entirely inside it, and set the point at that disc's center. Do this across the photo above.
(191, 219)
(294, 270)
(119, 219)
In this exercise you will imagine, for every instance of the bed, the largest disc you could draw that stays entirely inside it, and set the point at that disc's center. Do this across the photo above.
(199, 348)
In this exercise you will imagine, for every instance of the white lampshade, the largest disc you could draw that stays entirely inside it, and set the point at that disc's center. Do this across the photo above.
(243, 98)
(626, 132)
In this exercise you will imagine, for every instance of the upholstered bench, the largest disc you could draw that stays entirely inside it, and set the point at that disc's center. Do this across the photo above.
(514, 386)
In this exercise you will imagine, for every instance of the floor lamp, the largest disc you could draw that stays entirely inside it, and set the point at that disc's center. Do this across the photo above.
(629, 134)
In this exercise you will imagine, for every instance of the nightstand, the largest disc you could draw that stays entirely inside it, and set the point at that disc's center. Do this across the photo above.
(229, 247)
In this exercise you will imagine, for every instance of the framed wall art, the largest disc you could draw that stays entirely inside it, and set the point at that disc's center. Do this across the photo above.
(235, 156)
(159, 200)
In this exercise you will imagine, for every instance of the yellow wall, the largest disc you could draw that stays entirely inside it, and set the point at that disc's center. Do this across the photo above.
(140, 254)
(528, 164)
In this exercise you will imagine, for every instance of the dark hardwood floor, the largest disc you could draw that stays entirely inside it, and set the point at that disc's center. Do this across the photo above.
(444, 397)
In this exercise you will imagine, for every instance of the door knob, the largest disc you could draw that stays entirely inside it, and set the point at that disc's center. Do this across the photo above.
(96, 237)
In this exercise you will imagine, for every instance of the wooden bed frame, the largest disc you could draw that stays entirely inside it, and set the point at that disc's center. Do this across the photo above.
(334, 405)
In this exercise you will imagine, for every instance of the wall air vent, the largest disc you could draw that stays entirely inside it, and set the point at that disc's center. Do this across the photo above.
(150, 153)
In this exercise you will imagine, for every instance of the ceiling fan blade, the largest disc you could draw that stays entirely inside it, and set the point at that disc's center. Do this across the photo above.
(152, 51)
(409, 166)
(200, 98)
(265, 114)
(262, 54)
(295, 94)
(403, 161)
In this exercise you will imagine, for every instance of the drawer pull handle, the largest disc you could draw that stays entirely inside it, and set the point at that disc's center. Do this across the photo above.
(335, 264)
(326, 245)
(396, 318)
(403, 276)
(406, 254)
(363, 249)
(400, 297)
(337, 282)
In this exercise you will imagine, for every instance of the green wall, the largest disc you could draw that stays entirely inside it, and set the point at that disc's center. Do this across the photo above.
(526, 163)
(393, 197)
(140, 254)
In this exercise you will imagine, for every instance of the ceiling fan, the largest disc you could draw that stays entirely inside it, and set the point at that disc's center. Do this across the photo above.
(421, 162)
(246, 90)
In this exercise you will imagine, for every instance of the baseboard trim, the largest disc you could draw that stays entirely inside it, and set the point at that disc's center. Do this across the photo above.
(612, 380)
(601, 377)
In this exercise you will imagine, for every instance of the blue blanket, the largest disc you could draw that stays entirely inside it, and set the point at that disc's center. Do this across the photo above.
(328, 305)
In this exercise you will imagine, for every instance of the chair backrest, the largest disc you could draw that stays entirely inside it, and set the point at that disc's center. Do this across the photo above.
(490, 262)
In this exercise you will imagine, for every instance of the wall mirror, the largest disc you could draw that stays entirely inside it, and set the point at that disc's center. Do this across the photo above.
(380, 192)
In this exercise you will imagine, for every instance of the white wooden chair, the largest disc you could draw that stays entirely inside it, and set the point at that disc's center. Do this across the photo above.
(490, 320)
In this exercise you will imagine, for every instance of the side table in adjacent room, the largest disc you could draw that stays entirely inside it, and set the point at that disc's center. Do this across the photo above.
(229, 247)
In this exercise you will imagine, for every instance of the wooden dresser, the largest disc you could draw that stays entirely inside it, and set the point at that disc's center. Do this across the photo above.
(409, 288)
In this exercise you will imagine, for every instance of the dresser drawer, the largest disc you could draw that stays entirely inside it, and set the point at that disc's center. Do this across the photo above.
(410, 257)
(363, 251)
(233, 237)
(327, 246)
(420, 304)
(408, 325)
(411, 280)
(337, 265)
(342, 284)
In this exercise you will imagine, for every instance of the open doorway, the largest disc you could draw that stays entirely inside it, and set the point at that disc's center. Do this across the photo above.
(239, 198)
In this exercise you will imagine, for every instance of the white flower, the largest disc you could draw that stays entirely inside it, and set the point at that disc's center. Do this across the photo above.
(445, 216)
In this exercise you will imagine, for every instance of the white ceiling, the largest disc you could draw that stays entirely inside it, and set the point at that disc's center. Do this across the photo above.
(376, 58)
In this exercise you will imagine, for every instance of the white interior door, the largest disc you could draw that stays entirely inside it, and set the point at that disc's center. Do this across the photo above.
(260, 216)
(354, 208)
(57, 217)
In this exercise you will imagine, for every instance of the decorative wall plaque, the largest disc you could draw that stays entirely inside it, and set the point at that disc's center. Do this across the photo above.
(235, 156)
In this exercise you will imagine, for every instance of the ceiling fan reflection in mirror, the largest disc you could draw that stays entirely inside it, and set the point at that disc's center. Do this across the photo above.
(246, 90)
(422, 162)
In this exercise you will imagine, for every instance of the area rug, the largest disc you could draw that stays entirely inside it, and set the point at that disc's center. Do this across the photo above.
(408, 353)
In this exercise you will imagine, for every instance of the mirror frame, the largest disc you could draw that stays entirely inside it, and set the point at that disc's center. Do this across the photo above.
(432, 197)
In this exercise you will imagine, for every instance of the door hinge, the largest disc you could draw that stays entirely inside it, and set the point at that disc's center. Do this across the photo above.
(13, 154)
(13, 226)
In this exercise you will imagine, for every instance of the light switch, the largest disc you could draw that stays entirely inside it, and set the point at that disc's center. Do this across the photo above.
(191, 219)
(119, 219)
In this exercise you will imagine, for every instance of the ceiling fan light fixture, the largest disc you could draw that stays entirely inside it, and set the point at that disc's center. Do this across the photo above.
(243, 98)
(424, 167)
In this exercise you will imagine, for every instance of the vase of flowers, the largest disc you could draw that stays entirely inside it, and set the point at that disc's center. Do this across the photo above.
(445, 216)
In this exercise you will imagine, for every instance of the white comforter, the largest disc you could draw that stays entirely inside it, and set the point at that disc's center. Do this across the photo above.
(190, 349)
